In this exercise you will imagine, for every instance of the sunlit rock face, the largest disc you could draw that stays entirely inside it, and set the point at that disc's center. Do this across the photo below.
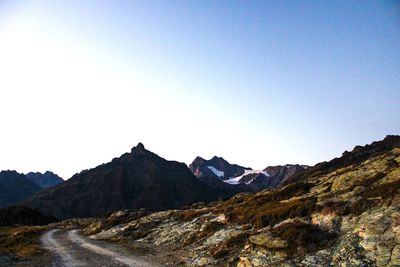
(344, 216)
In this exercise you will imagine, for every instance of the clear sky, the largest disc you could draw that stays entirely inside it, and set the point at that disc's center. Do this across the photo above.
(257, 82)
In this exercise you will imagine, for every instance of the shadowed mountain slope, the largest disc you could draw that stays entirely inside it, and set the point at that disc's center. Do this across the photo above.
(15, 187)
(45, 180)
(139, 179)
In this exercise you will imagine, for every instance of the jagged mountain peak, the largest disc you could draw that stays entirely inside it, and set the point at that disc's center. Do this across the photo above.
(14, 172)
(139, 147)
(45, 180)
(218, 158)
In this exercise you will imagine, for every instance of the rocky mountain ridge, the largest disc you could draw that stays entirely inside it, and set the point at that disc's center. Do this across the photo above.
(219, 173)
(45, 180)
(139, 179)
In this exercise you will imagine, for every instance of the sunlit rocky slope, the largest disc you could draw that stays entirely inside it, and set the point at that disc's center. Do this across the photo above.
(342, 213)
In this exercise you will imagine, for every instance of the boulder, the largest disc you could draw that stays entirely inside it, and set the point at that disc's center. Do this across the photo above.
(268, 240)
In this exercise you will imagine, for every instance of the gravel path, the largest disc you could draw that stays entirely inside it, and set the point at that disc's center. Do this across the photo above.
(71, 249)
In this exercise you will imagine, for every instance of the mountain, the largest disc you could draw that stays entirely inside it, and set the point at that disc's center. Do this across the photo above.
(279, 174)
(45, 180)
(139, 179)
(15, 187)
(219, 173)
(216, 167)
(216, 171)
(345, 212)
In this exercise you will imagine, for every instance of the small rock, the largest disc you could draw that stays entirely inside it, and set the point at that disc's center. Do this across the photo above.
(118, 214)
(395, 258)
(204, 261)
(244, 262)
(269, 241)
(358, 189)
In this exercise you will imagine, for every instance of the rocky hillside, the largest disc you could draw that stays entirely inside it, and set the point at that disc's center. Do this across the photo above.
(45, 180)
(356, 156)
(15, 187)
(348, 215)
(139, 179)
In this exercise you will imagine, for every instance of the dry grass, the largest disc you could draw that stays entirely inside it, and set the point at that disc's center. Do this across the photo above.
(189, 214)
(302, 237)
(22, 241)
(269, 207)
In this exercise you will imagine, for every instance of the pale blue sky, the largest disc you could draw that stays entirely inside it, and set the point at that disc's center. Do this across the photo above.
(257, 82)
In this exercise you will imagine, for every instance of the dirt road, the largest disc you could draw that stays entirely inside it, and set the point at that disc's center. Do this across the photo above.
(69, 248)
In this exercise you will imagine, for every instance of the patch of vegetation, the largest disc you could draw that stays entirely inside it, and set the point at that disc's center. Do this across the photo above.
(190, 214)
(361, 205)
(302, 237)
(386, 191)
(369, 181)
(229, 246)
(21, 241)
(272, 207)
(338, 207)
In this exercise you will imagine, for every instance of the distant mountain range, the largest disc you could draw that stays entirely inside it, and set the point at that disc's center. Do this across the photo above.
(219, 173)
(15, 187)
(139, 179)
(45, 180)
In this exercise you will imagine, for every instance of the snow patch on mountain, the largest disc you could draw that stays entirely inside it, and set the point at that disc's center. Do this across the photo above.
(235, 180)
(216, 171)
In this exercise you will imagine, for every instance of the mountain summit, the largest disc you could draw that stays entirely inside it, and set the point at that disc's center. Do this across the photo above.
(45, 180)
(139, 179)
